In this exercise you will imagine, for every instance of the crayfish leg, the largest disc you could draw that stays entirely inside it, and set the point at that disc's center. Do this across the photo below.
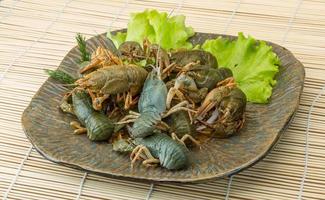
(188, 67)
(142, 152)
(241, 123)
(184, 138)
(152, 162)
(163, 126)
(131, 117)
(78, 128)
(171, 93)
(168, 69)
(178, 107)
(129, 101)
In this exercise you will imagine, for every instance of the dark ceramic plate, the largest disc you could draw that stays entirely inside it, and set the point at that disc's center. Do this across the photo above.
(48, 129)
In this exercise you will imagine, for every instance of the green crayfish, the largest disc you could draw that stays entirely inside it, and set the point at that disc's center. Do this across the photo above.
(156, 149)
(152, 107)
(97, 126)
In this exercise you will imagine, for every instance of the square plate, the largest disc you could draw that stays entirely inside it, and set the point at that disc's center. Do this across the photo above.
(48, 128)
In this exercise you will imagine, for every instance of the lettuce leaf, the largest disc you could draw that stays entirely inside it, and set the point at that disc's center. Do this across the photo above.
(252, 62)
(170, 33)
(117, 39)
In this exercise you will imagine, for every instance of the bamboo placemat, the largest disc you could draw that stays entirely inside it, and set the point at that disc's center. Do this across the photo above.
(37, 34)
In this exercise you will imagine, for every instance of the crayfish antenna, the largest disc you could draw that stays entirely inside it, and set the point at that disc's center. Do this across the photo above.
(158, 67)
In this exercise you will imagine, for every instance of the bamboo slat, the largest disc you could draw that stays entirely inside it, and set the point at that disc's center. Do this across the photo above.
(35, 35)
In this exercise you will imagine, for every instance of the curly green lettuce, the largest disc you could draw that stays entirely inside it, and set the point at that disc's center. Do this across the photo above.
(253, 63)
(170, 33)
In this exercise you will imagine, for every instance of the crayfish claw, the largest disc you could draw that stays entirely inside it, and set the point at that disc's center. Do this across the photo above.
(228, 82)
(100, 58)
(90, 66)
(205, 107)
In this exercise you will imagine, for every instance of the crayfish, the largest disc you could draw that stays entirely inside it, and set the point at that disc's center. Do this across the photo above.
(185, 88)
(197, 75)
(181, 124)
(152, 107)
(97, 126)
(111, 80)
(230, 104)
(156, 149)
(182, 58)
(131, 51)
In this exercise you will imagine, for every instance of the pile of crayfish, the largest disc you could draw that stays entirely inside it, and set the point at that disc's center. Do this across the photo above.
(154, 111)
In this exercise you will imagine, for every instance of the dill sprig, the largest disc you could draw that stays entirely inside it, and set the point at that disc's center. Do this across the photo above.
(85, 56)
(60, 76)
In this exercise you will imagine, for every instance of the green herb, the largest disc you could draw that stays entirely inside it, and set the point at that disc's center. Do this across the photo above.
(252, 62)
(170, 33)
(60, 76)
(85, 56)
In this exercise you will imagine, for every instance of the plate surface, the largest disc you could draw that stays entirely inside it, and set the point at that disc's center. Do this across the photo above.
(48, 128)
